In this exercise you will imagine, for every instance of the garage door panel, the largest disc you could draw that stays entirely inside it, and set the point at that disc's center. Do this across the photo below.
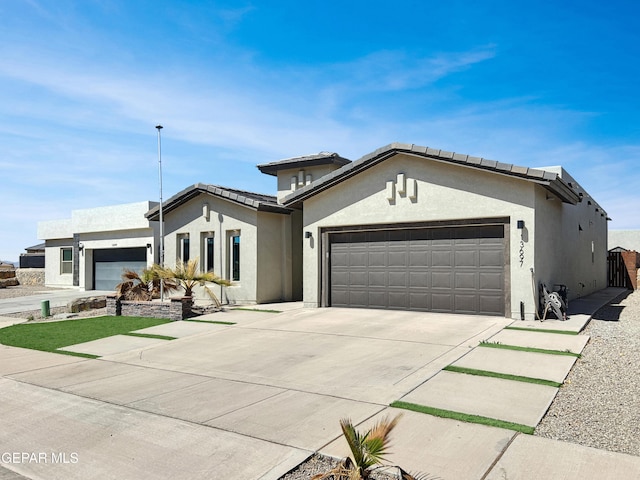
(488, 305)
(419, 258)
(397, 279)
(420, 301)
(358, 279)
(441, 258)
(490, 258)
(441, 280)
(466, 258)
(378, 259)
(398, 259)
(378, 279)
(340, 296)
(359, 298)
(491, 281)
(466, 303)
(378, 299)
(357, 259)
(419, 279)
(397, 299)
(340, 259)
(466, 280)
(450, 269)
(442, 302)
(340, 279)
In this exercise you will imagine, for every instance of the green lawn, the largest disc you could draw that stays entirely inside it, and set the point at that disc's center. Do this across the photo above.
(50, 336)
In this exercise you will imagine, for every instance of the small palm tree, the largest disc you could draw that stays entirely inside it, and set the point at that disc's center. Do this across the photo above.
(368, 451)
(144, 286)
(188, 276)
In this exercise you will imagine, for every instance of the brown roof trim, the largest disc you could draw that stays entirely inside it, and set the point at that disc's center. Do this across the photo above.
(256, 201)
(322, 158)
(551, 181)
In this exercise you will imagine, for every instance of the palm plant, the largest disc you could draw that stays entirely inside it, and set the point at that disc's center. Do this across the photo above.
(188, 276)
(368, 451)
(144, 286)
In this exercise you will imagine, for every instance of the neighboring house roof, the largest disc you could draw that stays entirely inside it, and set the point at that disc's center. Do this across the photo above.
(256, 201)
(36, 248)
(322, 158)
(549, 180)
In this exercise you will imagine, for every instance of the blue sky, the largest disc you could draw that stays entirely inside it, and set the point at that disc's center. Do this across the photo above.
(234, 83)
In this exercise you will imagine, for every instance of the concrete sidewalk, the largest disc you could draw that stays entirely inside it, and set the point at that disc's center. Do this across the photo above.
(254, 399)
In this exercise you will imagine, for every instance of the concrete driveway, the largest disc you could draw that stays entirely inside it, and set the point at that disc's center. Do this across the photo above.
(252, 400)
(244, 401)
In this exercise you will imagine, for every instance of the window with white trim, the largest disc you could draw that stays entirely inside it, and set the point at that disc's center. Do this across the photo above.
(207, 264)
(183, 247)
(66, 260)
(234, 255)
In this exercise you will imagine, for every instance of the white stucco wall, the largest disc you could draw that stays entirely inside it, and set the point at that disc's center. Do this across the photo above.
(53, 277)
(135, 238)
(114, 226)
(129, 216)
(55, 229)
(444, 193)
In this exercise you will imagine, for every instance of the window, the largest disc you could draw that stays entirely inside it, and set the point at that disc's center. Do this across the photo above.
(183, 247)
(208, 254)
(66, 260)
(235, 256)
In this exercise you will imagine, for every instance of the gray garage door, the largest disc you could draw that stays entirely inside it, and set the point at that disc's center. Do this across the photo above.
(108, 265)
(454, 269)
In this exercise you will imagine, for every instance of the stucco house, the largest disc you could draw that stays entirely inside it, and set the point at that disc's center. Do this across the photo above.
(412, 227)
(90, 250)
(405, 227)
(245, 237)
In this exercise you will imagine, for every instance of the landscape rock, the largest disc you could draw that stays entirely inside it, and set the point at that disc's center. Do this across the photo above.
(8, 282)
(87, 303)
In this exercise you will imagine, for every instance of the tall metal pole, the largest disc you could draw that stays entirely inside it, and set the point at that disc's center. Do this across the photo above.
(159, 127)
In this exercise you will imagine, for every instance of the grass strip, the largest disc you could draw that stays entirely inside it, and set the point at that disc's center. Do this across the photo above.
(528, 349)
(504, 376)
(464, 417)
(257, 310)
(50, 336)
(76, 354)
(542, 330)
(150, 335)
(217, 322)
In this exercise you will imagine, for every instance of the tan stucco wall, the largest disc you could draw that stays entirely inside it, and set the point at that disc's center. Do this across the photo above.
(444, 192)
(275, 259)
(262, 259)
(285, 176)
(563, 236)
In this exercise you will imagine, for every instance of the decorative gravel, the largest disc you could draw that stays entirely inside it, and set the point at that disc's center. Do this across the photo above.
(599, 404)
(318, 464)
